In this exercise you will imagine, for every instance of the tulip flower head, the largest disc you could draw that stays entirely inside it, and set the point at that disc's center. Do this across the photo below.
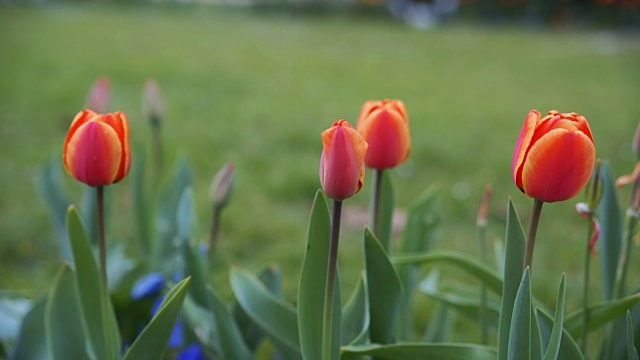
(342, 161)
(385, 126)
(554, 156)
(96, 150)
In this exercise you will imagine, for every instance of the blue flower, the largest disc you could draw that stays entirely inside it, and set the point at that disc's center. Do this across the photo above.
(191, 352)
(147, 286)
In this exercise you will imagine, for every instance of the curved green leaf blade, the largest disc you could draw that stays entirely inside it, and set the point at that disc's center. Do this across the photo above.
(568, 347)
(632, 354)
(558, 322)
(203, 323)
(275, 317)
(384, 290)
(520, 330)
(98, 316)
(420, 351)
(63, 324)
(463, 262)
(600, 314)
(355, 315)
(610, 239)
(311, 291)
(385, 217)
(514, 257)
(152, 342)
(30, 343)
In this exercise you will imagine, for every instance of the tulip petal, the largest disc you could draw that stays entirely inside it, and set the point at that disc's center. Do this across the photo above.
(118, 121)
(93, 154)
(526, 134)
(558, 165)
(342, 161)
(388, 138)
(81, 118)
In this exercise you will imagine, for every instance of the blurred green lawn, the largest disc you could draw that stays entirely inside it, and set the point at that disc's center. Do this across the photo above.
(257, 89)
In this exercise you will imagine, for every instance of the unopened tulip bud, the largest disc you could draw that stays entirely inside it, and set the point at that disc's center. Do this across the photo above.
(481, 220)
(554, 156)
(593, 191)
(152, 103)
(98, 98)
(222, 186)
(342, 161)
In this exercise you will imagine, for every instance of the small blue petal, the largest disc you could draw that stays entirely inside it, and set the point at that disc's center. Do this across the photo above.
(191, 352)
(147, 286)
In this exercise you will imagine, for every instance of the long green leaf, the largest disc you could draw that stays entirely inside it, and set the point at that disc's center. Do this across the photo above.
(99, 320)
(50, 189)
(203, 322)
(463, 262)
(355, 315)
(520, 331)
(152, 342)
(385, 216)
(462, 298)
(31, 341)
(632, 354)
(514, 257)
(407, 351)
(63, 324)
(568, 347)
(440, 326)
(610, 240)
(600, 314)
(275, 317)
(558, 322)
(419, 235)
(384, 290)
(311, 291)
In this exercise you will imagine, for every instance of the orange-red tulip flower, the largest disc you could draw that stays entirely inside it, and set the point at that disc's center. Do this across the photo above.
(96, 150)
(385, 126)
(342, 161)
(554, 156)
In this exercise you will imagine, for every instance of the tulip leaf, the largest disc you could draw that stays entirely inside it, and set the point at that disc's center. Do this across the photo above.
(568, 347)
(463, 262)
(610, 240)
(202, 321)
(465, 299)
(167, 248)
(440, 325)
(420, 351)
(386, 207)
(229, 338)
(13, 308)
(152, 341)
(514, 257)
(600, 314)
(520, 337)
(50, 189)
(632, 353)
(140, 199)
(384, 290)
(275, 317)
(185, 215)
(63, 323)
(31, 341)
(419, 235)
(99, 320)
(355, 315)
(311, 291)
(553, 348)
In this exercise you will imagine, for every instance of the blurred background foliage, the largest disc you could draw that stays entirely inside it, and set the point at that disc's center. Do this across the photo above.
(257, 84)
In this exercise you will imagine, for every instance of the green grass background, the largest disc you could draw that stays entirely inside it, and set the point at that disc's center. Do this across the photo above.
(258, 89)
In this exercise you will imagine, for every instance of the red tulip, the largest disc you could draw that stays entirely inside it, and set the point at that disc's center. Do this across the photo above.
(342, 161)
(96, 150)
(385, 126)
(554, 156)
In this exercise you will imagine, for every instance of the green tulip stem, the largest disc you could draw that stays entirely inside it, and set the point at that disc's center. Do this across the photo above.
(101, 240)
(215, 229)
(585, 287)
(329, 286)
(377, 190)
(625, 253)
(156, 141)
(482, 313)
(533, 230)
